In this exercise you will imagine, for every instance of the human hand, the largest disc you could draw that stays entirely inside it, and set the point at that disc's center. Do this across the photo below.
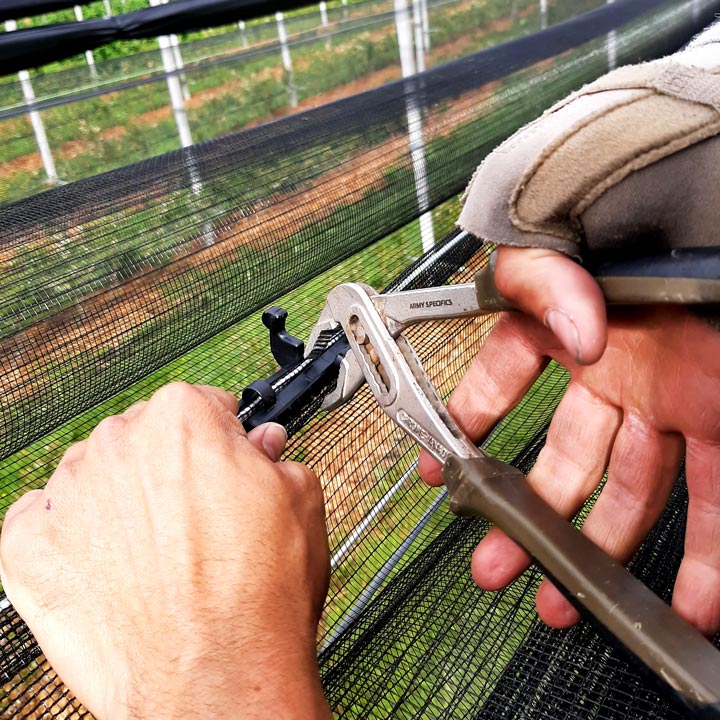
(173, 568)
(634, 409)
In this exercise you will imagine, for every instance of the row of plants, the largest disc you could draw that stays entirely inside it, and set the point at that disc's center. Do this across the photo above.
(209, 296)
(233, 40)
(252, 91)
(214, 296)
(151, 232)
(86, 119)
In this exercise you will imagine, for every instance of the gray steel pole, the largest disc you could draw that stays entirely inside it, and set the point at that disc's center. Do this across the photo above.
(414, 120)
(35, 120)
(286, 59)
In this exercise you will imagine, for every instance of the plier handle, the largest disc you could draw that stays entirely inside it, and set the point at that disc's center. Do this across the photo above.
(479, 484)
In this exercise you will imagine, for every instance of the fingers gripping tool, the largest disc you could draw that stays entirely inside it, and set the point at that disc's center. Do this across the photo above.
(479, 484)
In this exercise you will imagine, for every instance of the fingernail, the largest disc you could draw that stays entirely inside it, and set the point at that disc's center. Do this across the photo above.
(565, 330)
(274, 440)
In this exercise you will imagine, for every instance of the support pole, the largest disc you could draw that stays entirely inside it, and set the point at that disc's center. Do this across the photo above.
(89, 57)
(286, 59)
(414, 121)
(345, 9)
(419, 40)
(207, 236)
(425, 25)
(178, 63)
(174, 88)
(323, 15)
(243, 33)
(611, 45)
(543, 14)
(35, 120)
(324, 23)
(108, 9)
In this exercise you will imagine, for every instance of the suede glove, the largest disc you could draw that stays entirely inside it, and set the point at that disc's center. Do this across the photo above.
(630, 162)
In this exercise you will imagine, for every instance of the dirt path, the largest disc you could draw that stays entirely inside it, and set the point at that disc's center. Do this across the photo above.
(32, 162)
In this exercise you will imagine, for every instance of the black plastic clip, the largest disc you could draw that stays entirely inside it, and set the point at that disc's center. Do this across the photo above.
(286, 349)
(260, 390)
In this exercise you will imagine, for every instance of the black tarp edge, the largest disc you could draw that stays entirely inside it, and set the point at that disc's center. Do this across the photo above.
(33, 47)
(16, 9)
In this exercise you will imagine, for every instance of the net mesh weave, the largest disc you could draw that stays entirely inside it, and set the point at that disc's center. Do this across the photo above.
(123, 281)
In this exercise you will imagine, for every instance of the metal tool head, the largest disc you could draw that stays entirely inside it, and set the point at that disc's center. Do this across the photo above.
(350, 375)
(394, 374)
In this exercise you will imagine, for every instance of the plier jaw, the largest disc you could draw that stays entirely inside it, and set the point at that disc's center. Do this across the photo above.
(350, 374)
(381, 356)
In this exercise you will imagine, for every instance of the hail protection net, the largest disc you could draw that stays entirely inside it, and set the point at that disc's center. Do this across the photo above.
(102, 116)
(156, 271)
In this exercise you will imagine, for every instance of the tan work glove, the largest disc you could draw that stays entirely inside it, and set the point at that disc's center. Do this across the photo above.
(630, 161)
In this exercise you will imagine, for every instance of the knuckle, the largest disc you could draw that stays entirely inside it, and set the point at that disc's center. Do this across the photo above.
(64, 473)
(305, 480)
(107, 434)
(176, 394)
(109, 428)
(179, 405)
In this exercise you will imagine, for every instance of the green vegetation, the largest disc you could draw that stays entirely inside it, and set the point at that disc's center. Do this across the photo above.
(106, 132)
(206, 298)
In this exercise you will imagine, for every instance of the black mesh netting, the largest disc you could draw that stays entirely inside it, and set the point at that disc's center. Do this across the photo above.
(118, 283)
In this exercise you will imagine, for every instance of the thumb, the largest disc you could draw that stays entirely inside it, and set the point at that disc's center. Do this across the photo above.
(560, 294)
(269, 438)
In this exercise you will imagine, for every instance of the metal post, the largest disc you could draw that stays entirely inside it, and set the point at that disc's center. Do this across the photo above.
(286, 59)
(174, 89)
(89, 57)
(108, 9)
(611, 45)
(35, 119)
(425, 25)
(325, 24)
(178, 61)
(345, 9)
(324, 15)
(181, 121)
(414, 120)
(179, 64)
(419, 40)
(243, 34)
(543, 14)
